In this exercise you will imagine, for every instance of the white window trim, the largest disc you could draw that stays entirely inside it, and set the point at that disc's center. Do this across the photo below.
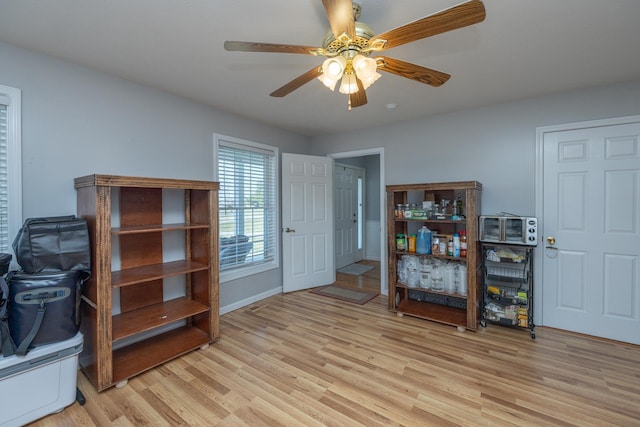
(227, 276)
(12, 97)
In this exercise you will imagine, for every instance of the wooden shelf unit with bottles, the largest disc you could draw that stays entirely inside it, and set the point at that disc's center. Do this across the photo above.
(465, 313)
(167, 307)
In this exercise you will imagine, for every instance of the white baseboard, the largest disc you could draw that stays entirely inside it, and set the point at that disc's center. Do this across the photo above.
(251, 300)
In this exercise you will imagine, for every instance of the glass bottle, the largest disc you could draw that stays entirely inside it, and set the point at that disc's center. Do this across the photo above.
(459, 205)
(399, 211)
(463, 243)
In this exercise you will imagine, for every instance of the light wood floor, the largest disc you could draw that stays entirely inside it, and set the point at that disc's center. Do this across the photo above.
(302, 360)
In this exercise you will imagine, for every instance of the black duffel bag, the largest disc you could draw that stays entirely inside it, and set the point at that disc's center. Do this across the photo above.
(44, 308)
(53, 244)
(6, 343)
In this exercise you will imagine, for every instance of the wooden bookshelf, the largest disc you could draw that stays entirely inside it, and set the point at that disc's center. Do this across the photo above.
(454, 309)
(152, 326)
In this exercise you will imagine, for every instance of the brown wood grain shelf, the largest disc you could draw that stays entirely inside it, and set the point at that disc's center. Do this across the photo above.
(439, 186)
(429, 291)
(152, 316)
(141, 356)
(440, 313)
(155, 228)
(147, 273)
(98, 180)
(454, 258)
(441, 221)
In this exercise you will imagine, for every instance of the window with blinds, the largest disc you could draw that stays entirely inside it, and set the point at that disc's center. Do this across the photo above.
(4, 180)
(247, 204)
(10, 166)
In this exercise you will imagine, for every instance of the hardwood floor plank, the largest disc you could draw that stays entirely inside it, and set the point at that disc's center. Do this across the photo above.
(305, 359)
(355, 410)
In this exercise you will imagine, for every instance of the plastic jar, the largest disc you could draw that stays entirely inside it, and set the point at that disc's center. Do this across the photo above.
(456, 245)
(423, 244)
(462, 280)
(412, 243)
(449, 278)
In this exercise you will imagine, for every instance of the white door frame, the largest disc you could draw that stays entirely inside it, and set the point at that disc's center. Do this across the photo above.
(384, 289)
(539, 181)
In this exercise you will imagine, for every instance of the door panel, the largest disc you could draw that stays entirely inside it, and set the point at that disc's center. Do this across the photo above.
(307, 221)
(591, 205)
(571, 273)
(347, 219)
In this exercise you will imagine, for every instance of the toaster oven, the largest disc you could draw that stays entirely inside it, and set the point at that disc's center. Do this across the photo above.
(512, 230)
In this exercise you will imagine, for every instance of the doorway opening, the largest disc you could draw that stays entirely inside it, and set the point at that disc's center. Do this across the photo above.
(369, 203)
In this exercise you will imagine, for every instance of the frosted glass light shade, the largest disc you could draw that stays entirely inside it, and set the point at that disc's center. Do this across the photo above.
(370, 80)
(334, 67)
(349, 84)
(332, 70)
(365, 69)
(330, 83)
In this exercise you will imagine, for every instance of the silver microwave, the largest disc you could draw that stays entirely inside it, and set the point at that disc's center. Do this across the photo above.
(512, 230)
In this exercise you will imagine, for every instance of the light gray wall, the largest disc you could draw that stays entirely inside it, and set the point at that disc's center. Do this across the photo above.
(494, 145)
(372, 208)
(77, 121)
(372, 190)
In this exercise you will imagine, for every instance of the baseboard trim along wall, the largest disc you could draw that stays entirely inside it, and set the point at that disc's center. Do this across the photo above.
(254, 298)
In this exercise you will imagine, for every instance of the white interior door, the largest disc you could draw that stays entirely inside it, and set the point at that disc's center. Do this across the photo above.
(348, 214)
(307, 222)
(591, 207)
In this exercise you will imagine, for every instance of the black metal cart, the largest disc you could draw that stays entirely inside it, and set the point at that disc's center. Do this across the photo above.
(507, 294)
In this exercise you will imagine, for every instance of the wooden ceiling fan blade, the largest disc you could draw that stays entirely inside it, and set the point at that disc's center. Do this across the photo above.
(238, 46)
(359, 98)
(340, 15)
(412, 71)
(297, 82)
(459, 16)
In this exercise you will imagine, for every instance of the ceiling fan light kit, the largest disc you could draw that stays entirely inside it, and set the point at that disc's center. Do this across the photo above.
(349, 44)
(332, 70)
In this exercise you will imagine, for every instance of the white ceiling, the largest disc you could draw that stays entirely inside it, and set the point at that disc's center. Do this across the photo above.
(524, 48)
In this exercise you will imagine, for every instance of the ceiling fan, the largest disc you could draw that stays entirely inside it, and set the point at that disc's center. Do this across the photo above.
(349, 45)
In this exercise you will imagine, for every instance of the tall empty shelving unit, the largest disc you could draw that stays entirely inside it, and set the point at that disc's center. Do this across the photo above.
(153, 294)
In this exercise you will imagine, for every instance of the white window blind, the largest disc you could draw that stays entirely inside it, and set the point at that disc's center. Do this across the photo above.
(247, 204)
(10, 166)
(4, 181)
